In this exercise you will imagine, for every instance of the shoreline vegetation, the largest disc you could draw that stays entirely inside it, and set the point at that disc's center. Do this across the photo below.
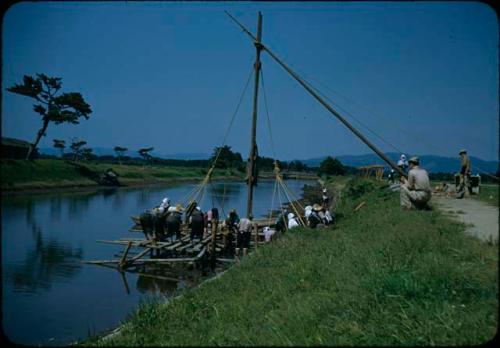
(44, 175)
(380, 276)
(47, 175)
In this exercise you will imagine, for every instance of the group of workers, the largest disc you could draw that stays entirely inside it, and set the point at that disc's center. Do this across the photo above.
(415, 191)
(165, 220)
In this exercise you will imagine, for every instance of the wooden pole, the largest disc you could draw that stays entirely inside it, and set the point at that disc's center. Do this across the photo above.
(124, 257)
(256, 234)
(215, 224)
(319, 99)
(127, 289)
(253, 145)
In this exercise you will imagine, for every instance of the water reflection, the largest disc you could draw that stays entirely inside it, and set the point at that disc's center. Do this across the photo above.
(149, 283)
(78, 205)
(44, 238)
(55, 208)
(143, 197)
(43, 265)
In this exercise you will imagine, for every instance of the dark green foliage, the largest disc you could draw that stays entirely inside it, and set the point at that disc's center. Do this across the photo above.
(76, 148)
(66, 107)
(331, 166)
(60, 144)
(88, 153)
(357, 187)
(226, 158)
(297, 166)
(144, 152)
(119, 152)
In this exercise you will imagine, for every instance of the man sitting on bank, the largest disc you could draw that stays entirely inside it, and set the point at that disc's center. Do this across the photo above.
(415, 191)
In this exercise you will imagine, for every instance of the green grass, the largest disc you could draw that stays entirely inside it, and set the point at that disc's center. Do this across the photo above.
(381, 276)
(489, 194)
(45, 173)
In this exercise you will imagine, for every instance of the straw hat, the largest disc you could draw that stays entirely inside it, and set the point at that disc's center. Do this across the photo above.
(179, 207)
(414, 160)
(317, 207)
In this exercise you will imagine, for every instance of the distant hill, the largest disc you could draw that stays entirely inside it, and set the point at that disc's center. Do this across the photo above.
(431, 163)
(104, 151)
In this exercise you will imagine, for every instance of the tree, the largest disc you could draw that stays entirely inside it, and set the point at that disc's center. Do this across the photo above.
(88, 153)
(76, 148)
(65, 107)
(331, 166)
(227, 158)
(60, 144)
(297, 165)
(120, 151)
(145, 153)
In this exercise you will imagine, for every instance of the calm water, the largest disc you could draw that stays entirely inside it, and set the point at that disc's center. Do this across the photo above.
(49, 297)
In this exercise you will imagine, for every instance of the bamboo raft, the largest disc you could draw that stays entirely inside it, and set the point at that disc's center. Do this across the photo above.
(214, 247)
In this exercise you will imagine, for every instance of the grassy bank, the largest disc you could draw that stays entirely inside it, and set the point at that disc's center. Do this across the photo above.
(48, 173)
(489, 194)
(381, 276)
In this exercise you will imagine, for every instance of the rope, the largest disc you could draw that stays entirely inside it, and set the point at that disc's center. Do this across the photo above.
(197, 190)
(291, 202)
(233, 117)
(351, 115)
(267, 113)
(391, 122)
(272, 200)
(217, 198)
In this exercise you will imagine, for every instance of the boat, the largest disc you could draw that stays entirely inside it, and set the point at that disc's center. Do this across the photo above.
(217, 242)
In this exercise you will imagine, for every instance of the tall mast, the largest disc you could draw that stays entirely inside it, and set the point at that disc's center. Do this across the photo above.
(259, 44)
(253, 144)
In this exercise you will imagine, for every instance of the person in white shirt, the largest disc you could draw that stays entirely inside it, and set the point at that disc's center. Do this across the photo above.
(292, 221)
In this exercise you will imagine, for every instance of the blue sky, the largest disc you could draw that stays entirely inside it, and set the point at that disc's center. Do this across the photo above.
(423, 76)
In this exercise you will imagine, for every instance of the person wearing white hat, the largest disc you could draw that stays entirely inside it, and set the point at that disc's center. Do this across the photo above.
(292, 221)
(165, 204)
(464, 174)
(324, 198)
(402, 163)
(308, 211)
(415, 191)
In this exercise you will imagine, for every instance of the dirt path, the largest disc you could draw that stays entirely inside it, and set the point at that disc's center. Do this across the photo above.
(481, 219)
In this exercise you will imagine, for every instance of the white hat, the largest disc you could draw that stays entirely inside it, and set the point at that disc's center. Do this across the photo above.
(290, 216)
(166, 200)
(198, 208)
(308, 208)
(403, 157)
(324, 190)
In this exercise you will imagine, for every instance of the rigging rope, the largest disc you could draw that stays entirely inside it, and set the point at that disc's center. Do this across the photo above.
(392, 122)
(193, 195)
(267, 113)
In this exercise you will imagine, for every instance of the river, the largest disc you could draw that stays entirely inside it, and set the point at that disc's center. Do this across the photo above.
(49, 297)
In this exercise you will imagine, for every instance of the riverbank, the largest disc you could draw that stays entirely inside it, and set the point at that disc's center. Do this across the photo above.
(44, 175)
(380, 276)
